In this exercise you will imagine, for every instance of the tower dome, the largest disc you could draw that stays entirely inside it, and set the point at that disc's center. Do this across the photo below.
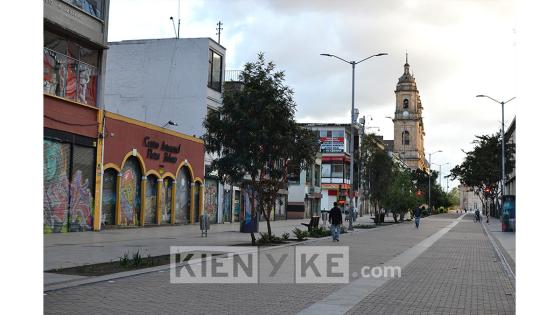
(406, 81)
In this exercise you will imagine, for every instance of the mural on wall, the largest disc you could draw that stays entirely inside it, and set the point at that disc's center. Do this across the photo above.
(211, 199)
(67, 202)
(166, 191)
(248, 218)
(196, 201)
(151, 200)
(237, 206)
(130, 192)
(81, 204)
(109, 205)
(182, 197)
(56, 167)
(227, 206)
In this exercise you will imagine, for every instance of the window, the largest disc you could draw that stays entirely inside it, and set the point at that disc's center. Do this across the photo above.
(317, 175)
(329, 133)
(323, 133)
(294, 171)
(338, 134)
(326, 170)
(405, 138)
(337, 170)
(91, 7)
(69, 70)
(405, 103)
(214, 71)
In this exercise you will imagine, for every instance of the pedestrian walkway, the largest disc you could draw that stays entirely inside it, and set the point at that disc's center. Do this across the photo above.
(505, 239)
(458, 274)
(63, 250)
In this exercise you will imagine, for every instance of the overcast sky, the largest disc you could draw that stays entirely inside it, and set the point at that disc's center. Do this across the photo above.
(457, 49)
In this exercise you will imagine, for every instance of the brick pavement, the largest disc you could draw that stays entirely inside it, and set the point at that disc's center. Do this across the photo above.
(459, 274)
(153, 293)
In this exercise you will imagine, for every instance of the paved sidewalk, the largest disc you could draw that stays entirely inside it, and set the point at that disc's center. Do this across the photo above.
(506, 239)
(63, 250)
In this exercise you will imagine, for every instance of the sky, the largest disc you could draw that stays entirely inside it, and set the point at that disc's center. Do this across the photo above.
(457, 49)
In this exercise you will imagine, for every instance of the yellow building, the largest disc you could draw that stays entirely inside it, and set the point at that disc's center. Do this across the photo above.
(408, 125)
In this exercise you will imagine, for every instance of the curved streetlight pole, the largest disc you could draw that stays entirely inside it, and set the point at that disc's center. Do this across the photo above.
(430, 180)
(503, 144)
(353, 63)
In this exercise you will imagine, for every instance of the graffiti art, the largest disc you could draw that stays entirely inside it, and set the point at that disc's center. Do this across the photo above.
(151, 200)
(182, 197)
(211, 199)
(130, 192)
(109, 197)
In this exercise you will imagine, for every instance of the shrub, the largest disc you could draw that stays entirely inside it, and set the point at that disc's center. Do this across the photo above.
(286, 236)
(266, 238)
(300, 234)
(425, 213)
(124, 260)
(136, 259)
(343, 229)
(319, 232)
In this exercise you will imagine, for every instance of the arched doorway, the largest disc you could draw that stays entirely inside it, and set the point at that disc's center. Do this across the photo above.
(130, 192)
(109, 206)
(183, 196)
(150, 204)
(166, 192)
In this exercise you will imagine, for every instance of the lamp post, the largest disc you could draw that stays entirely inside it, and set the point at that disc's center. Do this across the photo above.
(353, 63)
(440, 165)
(430, 180)
(503, 144)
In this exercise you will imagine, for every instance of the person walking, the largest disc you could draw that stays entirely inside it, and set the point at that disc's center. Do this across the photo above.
(335, 219)
(417, 216)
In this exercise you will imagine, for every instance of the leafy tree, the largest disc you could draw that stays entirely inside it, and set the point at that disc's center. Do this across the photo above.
(481, 169)
(255, 135)
(377, 172)
(401, 193)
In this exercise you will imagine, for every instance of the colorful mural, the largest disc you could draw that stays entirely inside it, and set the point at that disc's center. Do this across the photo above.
(67, 202)
(182, 197)
(130, 192)
(227, 206)
(196, 202)
(211, 199)
(109, 197)
(166, 191)
(56, 168)
(151, 200)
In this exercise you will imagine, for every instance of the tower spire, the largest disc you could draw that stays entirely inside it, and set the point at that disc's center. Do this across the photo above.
(406, 56)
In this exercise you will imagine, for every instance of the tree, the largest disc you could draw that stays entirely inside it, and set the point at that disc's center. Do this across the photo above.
(377, 172)
(481, 169)
(255, 135)
(401, 193)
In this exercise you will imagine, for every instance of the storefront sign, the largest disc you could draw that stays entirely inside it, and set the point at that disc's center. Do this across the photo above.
(168, 150)
(332, 145)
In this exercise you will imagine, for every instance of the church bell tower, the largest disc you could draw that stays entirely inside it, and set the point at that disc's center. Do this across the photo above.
(407, 122)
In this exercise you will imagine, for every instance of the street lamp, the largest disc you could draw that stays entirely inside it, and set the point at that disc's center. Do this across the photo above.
(503, 143)
(353, 63)
(430, 180)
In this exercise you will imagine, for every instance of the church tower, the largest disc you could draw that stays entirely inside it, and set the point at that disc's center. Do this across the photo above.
(407, 123)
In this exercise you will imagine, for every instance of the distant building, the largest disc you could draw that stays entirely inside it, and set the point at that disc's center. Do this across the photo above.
(304, 190)
(335, 162)
(468, 199)
(510, 177)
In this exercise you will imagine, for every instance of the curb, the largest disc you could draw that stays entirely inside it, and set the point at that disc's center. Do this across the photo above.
(497, 247)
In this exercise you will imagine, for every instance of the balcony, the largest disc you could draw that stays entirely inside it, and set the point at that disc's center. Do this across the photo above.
(233, 75)
(69, 78)
(410, 116)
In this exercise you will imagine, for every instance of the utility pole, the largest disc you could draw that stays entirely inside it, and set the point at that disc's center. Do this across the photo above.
(219, 29)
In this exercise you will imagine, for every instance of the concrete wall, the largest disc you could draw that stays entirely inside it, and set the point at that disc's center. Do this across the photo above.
(162, 79)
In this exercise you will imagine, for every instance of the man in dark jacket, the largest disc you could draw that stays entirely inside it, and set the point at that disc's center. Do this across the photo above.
(417, 213)
(335, 219)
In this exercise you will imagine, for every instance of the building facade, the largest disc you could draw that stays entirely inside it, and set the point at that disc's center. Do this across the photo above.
(510, 177)
(304, 191)
(408, 123)
(469, 200)
(173, 83)
(335, 162)
(74, 54)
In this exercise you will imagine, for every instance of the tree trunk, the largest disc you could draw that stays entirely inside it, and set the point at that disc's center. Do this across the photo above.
(266, 214)
(253, 239)
(395, 216)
